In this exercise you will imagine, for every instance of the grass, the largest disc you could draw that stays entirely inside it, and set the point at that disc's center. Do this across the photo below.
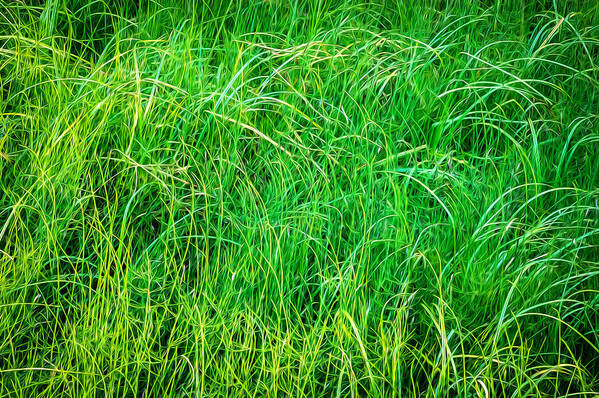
(289, 198)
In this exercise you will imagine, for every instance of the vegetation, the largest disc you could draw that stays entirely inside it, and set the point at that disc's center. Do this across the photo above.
(288, 198)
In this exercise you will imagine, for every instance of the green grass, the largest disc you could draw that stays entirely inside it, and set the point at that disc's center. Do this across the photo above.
(299, 198)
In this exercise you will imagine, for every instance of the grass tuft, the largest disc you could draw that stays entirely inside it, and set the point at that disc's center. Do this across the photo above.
(299, 198)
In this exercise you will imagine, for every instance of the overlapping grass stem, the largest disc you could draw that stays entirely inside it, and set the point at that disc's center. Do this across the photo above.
(299, 198)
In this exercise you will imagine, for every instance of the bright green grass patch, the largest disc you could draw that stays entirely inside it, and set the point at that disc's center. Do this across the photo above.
(288, 198)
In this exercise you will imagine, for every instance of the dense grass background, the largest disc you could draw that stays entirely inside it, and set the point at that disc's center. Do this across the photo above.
(285, 198)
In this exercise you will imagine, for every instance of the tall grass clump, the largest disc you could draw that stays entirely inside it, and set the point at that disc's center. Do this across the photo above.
(299, 198)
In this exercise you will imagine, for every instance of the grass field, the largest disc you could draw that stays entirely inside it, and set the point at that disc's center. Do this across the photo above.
(299, 198)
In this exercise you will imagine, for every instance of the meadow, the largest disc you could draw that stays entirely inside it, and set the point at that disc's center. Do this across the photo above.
(279, 198)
